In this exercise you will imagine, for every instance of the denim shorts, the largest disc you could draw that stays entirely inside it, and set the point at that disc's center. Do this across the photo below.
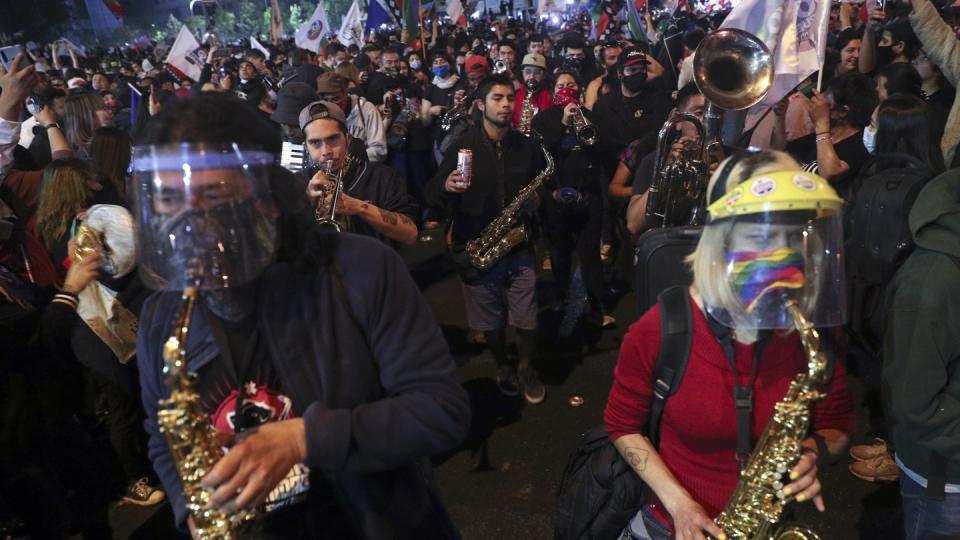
(925, 518)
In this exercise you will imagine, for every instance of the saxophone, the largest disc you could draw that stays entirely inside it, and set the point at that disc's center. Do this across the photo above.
(501, 235)
(758, 500)
(527, 112)
(190, 436)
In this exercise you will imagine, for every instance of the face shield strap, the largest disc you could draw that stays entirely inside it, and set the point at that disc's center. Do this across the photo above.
(742, 395)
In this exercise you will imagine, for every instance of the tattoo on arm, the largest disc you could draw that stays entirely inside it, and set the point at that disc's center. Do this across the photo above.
(388, 217)
(637, 458)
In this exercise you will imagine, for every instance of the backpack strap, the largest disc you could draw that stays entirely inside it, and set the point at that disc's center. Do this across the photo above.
(676, 341)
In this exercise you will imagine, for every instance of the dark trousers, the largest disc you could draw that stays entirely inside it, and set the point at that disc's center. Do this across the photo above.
(124, 424)
(577, 230)
(417, 167)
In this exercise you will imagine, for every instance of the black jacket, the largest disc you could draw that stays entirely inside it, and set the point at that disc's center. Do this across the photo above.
(622, 120)
(496, 179)
(374, 382)
(575, 167)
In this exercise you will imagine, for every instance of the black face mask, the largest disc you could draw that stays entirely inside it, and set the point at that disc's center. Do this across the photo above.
(885, 55)
(635, 82)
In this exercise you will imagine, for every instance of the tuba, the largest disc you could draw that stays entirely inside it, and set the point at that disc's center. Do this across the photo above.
(758, 500)
(733, 70)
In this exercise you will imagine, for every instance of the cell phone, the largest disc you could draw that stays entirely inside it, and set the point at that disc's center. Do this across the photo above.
(8, 54)
(882, 5)
(33, 105)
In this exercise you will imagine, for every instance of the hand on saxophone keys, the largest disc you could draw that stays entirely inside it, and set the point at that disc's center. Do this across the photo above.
(805, 485)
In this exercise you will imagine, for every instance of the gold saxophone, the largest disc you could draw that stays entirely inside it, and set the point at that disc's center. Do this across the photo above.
(189, 434)
(502, 234)
(758, 500)
(527, 112)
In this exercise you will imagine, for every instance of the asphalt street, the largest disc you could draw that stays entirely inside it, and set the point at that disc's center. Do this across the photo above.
(501, 483)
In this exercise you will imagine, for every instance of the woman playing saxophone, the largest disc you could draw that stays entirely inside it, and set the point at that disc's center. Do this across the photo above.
(773, 240)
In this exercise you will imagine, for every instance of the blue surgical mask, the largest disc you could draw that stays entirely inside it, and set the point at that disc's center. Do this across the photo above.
(441, 71)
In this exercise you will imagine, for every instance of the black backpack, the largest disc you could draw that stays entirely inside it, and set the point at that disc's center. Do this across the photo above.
(599, 493)
(878, 239)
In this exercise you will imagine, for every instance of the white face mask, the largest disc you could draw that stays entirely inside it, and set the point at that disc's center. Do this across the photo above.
(870, 139)
(415, 64)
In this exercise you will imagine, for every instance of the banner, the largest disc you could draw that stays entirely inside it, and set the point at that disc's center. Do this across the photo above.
(455, 12)
(795, 31)
(351, 27)
(607, 23)
(309, 35)
(185, 55)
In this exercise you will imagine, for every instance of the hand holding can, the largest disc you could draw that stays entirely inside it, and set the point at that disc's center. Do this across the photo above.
(465, 166)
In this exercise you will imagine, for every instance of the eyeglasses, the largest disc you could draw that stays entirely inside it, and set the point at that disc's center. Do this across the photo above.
(532, 71)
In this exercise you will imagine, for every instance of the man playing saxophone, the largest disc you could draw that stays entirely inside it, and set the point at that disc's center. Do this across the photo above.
(373, 200)
(774, 238)
(533, 95)
(311, 354)
(504, 162)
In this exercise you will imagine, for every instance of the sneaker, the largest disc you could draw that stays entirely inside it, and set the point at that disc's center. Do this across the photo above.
(141, 493)
(879, 469)
(507, 381)
(866, 452)
(533, 390)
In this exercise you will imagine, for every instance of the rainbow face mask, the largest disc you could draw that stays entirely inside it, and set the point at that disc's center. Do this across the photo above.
(754, 274)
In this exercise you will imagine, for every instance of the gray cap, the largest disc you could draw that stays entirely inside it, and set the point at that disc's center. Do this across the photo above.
(319, 110)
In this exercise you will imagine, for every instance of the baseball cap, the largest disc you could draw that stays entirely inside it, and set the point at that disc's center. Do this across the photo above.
(319, 110)
(631, 56)
(330, 83)
(291, 99)
(476, 63)
(76, 82)
(534, 60)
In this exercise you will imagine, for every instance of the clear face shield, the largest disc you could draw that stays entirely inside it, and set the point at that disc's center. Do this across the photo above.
(781, 251)
(206, 217)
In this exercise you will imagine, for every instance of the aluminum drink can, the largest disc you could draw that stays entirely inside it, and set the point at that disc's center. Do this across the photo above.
(465, 166)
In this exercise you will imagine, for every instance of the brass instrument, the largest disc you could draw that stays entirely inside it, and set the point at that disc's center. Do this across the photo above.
(758, 500)
(454, 114)
(527, 111)
(586, 132)
(327, 217)
(499, 67)
(502, 234)
(733, 70)
(193, 447)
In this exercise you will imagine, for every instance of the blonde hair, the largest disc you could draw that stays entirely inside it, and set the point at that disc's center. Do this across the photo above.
(708, 260)
(64, 192)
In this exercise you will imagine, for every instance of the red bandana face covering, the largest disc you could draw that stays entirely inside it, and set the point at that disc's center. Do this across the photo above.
(565, 96)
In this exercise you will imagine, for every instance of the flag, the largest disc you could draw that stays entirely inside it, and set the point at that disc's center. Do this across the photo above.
(351, 27)
(185, 55)
(455, 11)
(254, 44)
(636, 24)
(377, 14)
(411, 20)
(276, 22)
(135, 98)
(795, 31)
(395, 7)
(115, 7)
(607, 23)
(314, 30)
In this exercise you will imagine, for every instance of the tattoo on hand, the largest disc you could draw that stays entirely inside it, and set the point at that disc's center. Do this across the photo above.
(637, 458)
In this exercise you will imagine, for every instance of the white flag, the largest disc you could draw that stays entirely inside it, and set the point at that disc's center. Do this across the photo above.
(455, 10)
(795, 31)
(254, 44)
(309, 35)
(351, 28)
(185, 55)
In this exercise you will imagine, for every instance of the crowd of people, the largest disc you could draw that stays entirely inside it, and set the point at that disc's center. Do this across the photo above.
(277, 188)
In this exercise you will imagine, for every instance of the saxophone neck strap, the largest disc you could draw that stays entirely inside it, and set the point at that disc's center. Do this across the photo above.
(742, 395)
(240, 371)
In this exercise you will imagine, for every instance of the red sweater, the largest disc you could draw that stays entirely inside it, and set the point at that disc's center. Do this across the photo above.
(698, 430)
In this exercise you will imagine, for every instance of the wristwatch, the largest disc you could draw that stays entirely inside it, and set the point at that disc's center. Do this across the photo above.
(52, 124)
